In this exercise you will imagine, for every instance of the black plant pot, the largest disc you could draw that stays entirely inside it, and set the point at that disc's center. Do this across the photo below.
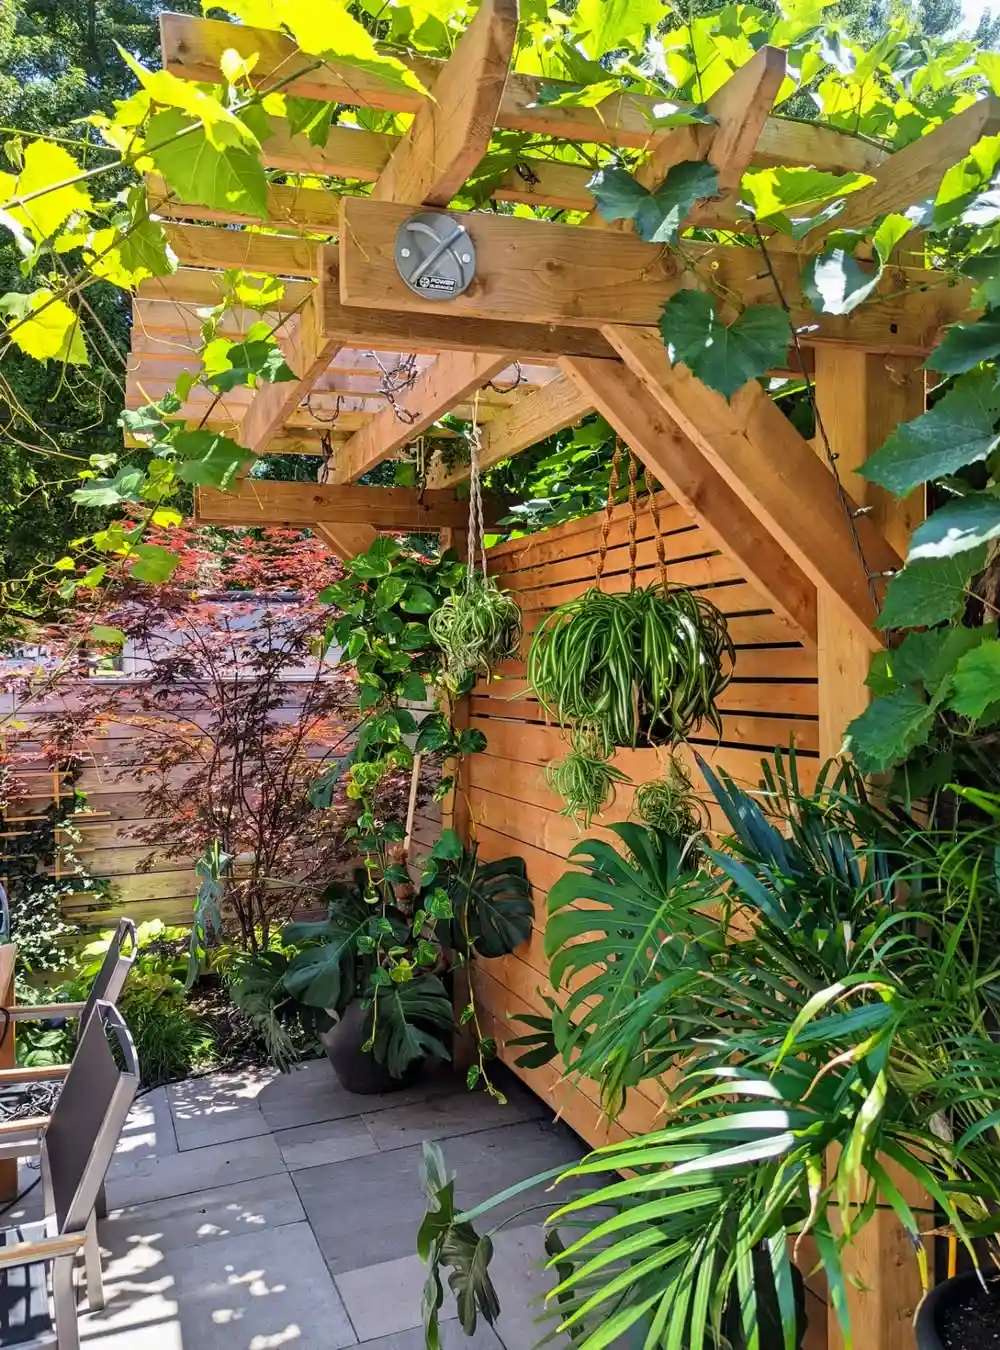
(358, 1070)
(960, 1315)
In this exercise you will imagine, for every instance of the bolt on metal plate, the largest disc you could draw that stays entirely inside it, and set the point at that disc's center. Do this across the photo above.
(434, 255)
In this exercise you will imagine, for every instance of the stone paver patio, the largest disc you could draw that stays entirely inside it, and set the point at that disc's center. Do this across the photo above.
(279, 1212)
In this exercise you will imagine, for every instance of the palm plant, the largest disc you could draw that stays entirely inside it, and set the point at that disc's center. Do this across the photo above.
(827, 999)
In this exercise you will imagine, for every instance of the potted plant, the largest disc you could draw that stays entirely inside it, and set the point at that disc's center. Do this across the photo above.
(845, 1039)
(381, 967)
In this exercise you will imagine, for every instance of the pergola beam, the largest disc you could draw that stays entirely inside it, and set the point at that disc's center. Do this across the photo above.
(447, 381)
(193, 47)
(541, 414)
(263, 501)
(274, 404)
(559, 274)
(451, 132)
(346, 541)
(753, 446)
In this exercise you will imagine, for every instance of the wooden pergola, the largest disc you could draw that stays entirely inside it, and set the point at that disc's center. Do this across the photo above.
(559, 321)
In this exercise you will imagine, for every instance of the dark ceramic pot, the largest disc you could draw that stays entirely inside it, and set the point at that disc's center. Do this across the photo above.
(358, 1070)
(952, 1294)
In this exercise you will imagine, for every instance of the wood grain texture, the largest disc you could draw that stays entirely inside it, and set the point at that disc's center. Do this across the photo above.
(270, 502)
(624, 400)
(273, 404)
(447, 381)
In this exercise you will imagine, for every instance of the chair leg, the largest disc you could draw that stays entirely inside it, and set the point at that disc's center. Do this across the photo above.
(92, 1262)
(64, 1304)
(101, 1204)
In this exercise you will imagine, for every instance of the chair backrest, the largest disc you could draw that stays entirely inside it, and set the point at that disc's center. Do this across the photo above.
(88, 1117)
(118, 961)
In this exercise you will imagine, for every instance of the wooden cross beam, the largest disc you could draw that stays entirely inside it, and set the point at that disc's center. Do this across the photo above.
(559, 274)
(267, 502)
(757, 451)
(347, 541)
(193, 48)
(623, 400)
(273, 404)
(541, 414)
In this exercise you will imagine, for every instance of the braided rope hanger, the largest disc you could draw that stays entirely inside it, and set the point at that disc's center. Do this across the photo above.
(650, 485)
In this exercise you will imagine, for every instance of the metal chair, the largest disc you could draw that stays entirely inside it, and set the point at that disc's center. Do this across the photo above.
(37, 1298)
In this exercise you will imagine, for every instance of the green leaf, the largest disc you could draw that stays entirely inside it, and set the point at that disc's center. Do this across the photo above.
(231, 364)
(929, 592)
(44, 327)
(389, 592)
(957, 431)
(929, 658)
(964, 180)
(608, 25)
(208, 458)
(774, 191)
(965, 345)
(309, 117)
(659, 218)
(114, 637)
(889, 729)
(724, 356)
(48, 169)
(124, 487)
(977, 681)
(617, 194)
(418, 600)
(221, 126)
(963, 524)
(196, 171)
(834, 283)
(413, 689)
(155, 563)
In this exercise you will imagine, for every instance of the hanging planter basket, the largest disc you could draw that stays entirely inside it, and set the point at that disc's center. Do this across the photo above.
(643, 666)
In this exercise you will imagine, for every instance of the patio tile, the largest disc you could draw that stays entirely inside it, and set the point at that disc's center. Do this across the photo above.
(179, 1222)
(311, 1093)
(464, 1112)
(148, 1133)
(386, 1200)
(386, 1298)
(218, 1109)
(326, 1141)
(251, 1292)
(452, 1338)
(193, 1170)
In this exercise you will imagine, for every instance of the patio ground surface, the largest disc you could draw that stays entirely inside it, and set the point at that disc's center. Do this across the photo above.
(279, 1212)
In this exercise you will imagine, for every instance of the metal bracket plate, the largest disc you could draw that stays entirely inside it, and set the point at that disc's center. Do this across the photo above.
(435, 255)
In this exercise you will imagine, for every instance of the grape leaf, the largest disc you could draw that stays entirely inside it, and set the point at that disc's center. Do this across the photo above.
(609, 25)
(124, 487)
(976, 681)
(958, 430)
(617, 194)
(931, 591)
(197, 172)
(965, 345)
(889, 729)
(309, 117)
(208, 458)
(154, 563)
(658, 216)
(44, 327)
(775, 191)
(963, 524)
(48, 166)
(222, 128)
(963, 181)
(250, 362)
(929, 658)
(724, 356)
(834, 282)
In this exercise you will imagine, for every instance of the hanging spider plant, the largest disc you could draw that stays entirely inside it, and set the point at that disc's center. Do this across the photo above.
(476, 628)
(643, 665)
(584, 778)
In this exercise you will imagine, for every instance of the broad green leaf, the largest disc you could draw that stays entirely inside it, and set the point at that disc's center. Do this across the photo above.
(323, 28)
(965, 345)
(929, 592)
(575, 95)
(222, 127)
(957, 431)
(929, 658)
(892, 230)
(889, 729)
(153, 564)
(231, 364)
(124, 487)
(608, 25)
(678, 115)
(989, 64)
(977, 681)
(724, 356)
(418, 600)
(236, 67)
(660, 216)
(964, 180)
(835, 283)
(114, 637)
(129, 254)
(196, 171)
(772, 192)
(43, 326)
(617, 194)
(963, 524)
(309, 117)
(48, 166)
(208, 458)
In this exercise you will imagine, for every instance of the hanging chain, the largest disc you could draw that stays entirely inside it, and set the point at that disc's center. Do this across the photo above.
(323, 421)
(477, 541)
(616, 460)
(396, 381)
(519, 379)
(850, 513)
(632, 514)
(654, 510)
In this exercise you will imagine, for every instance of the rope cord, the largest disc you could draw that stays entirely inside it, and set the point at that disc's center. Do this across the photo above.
(609, 511)
(632, 514)
(654, 510)
(477, 541)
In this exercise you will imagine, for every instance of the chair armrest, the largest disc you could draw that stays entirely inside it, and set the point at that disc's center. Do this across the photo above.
(29, 1128)
(46, 1249)
(34, 1073)
(44, 1012)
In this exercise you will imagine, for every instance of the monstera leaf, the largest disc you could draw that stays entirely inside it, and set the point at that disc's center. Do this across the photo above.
(323, 975)
(491, 903)
(409, 1021)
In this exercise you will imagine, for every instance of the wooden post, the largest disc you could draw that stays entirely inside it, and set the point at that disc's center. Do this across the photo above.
(861, 398)
(8, 958)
